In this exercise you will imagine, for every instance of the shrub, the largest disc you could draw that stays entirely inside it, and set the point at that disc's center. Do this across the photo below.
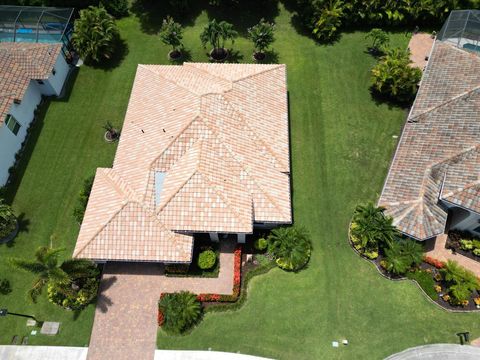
(216, 33)
(402, 254)
(466, 244)
(180, 311)
(260, 244)
(116, 8)
(79, 210)
(394, 78)
(380, 40)
(371, 254)
(476, 252)
(262, 35)
(207, 259)
(8, 221)
(291, 247)
(434, 262)
(476, 244)
(328, 21)
(171, 34)
(73, 296)
(461, 282)
(95, 35)
(5, 287)
(371, 228)
(425, 281)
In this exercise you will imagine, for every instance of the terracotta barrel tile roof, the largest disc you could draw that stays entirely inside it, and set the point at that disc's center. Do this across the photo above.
(20, 63)
(204, 148)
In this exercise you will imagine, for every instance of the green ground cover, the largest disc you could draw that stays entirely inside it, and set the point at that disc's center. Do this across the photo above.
(341, 147)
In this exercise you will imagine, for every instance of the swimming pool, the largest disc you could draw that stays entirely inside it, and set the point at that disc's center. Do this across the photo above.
(30, 37)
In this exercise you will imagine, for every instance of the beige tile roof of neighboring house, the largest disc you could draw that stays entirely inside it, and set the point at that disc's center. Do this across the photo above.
(219, 135)
(437, 156)
(20, 63)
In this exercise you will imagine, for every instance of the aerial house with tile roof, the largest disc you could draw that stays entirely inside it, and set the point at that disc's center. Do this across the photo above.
(28, 71)
(433, 184)
(204, 149)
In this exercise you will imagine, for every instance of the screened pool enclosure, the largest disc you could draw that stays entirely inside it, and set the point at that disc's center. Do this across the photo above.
(35, 24)
(462, 29)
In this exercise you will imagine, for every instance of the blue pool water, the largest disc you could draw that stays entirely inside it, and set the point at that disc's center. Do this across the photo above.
(30, 37)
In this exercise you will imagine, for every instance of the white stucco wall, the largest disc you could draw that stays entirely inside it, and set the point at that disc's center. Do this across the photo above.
(54, 84)
(10, 143)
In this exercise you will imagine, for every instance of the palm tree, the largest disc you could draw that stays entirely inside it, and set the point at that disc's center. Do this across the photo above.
(380, 39)
(46, 268)
(8, 220)
(291, 247)
(95, 34)
(171, 34)
(462, 281)
(181, 310)
(329, 21)
(402, 254)
(216, 33)
(262, 37)
(394, 77)
(372, 227)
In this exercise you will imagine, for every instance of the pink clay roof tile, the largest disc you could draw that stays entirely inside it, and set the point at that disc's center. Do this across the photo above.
(19, 64)
(219, 133)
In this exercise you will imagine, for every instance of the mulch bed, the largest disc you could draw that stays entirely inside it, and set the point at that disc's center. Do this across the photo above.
(453, 243)
(425, 266)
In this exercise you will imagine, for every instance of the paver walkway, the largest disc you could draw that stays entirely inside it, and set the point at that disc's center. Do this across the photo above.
(125, 325)
(420, 46)
(437, 251)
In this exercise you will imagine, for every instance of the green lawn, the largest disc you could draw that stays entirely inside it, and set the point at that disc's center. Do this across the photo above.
(341, 146)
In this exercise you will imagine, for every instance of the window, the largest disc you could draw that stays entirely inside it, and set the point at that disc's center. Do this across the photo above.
(12, 124)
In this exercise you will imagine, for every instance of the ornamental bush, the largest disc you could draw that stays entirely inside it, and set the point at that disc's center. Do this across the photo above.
(5, 287)
(79, 210)
(461, 282)
(95, 35)
(116, 8)
(466, 244)
(73, 296)
(394, 78)
(179, 311)
(207, 259)
(8, 221)
(291, 247)
(260, 244)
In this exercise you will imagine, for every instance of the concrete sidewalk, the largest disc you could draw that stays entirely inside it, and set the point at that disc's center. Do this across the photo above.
(438, 352)
(24, 352)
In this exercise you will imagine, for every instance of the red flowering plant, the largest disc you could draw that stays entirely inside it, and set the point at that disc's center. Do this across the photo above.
(237, 279)
(160, 317)
(434, 262)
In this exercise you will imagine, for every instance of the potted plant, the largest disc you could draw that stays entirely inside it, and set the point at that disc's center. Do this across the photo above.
(171, 34)
(262, 37)
(8, 223)
(111, 134)
(215, 34)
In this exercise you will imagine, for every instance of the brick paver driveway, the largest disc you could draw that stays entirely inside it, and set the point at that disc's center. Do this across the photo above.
(125, 317)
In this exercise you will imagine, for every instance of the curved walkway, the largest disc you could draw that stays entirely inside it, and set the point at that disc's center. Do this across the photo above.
(438, 352)
(436, 250)
(125, 324)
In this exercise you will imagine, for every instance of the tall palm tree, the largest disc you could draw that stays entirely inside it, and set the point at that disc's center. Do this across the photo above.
(216, 34)
(181, 310)
(291, 247)
(372, 227)
(47, 269)
(95, 34)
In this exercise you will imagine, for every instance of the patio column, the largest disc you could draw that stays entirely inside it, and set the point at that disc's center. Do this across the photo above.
(241, 238)
(213, 236)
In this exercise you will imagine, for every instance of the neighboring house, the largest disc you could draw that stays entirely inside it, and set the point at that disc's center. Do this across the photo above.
(27, 71)
(204, 149)
(434, 181)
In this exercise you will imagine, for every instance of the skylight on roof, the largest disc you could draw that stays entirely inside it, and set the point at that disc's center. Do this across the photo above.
(159, 179)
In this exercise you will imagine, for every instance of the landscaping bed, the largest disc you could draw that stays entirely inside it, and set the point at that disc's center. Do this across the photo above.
(202, 242)
(464, 244)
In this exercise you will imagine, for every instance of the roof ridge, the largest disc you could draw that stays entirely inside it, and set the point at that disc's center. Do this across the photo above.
(274, 67)
(223, 197)
(191, 65)
(468, 186)
(455, 98)
(148, 67)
